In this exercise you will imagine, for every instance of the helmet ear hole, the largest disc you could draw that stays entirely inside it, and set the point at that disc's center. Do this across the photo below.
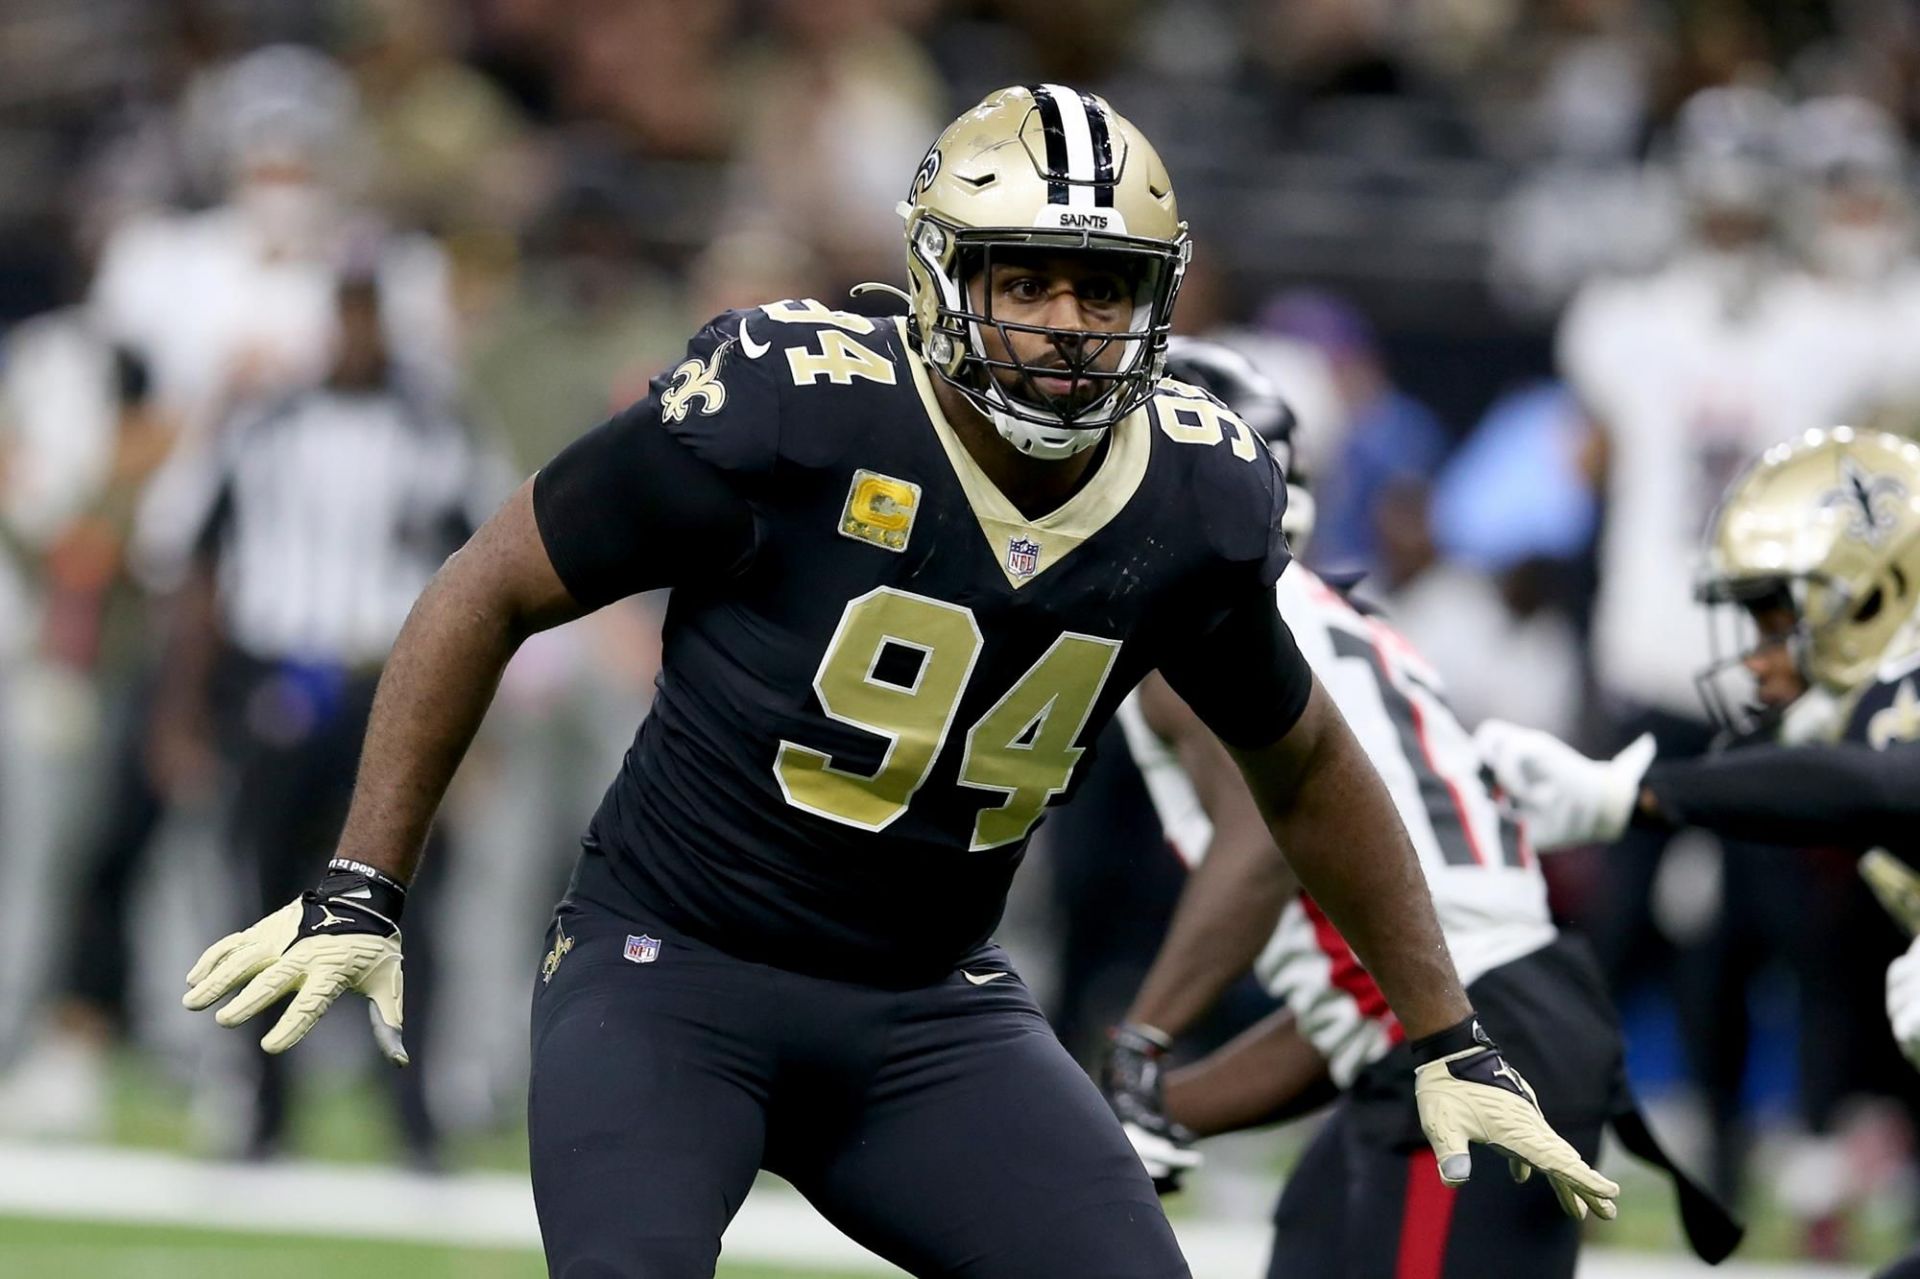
(1870, 606)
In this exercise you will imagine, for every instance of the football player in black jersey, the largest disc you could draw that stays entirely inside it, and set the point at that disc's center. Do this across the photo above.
(1813, 558)
(1813, 564)
(917, 564)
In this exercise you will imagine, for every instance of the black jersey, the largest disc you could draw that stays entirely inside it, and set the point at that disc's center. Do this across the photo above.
(857, 728)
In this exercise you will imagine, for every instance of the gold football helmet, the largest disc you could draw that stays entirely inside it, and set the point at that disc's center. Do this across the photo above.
(1829, 525)
(1044, 167)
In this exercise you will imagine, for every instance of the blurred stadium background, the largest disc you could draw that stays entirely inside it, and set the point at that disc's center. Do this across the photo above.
(1488, 248)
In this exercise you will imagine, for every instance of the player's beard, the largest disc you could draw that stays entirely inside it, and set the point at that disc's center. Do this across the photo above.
(1016, 386)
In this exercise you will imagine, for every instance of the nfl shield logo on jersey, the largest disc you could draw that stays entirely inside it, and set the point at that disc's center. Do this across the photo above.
(642, 949)
(1023, 556)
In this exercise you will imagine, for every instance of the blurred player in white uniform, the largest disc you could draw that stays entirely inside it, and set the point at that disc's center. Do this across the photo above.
(1364, 1201)
(1687, 373)
(1852, 220)
(237, 301)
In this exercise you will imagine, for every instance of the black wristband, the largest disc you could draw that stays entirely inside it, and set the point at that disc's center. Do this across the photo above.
(381, 893)
(1457, 1038)
(373, 873)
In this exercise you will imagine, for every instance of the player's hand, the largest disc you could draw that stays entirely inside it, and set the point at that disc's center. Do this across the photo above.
(1566, 799)
(1467, 1092)
(1131, 1079)
(1903, 1001)
(343, 935)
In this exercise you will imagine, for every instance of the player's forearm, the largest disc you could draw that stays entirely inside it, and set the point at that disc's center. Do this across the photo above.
(1227, 912)
(1233, 899)
(1267, 1074)
(434, 692)
(1330, 812)
(1847, 796)
(439, 681)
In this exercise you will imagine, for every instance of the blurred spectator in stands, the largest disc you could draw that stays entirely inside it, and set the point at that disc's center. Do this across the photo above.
(658, 71)
(1852, 219)
(94, 639)
(582, 321)
(447, 144)
(844, 102)
(236, 301)
(1085, 43)
(1372, 478)
(1574, 106)
(1347, 78)
(747, 268)
(1512, 520)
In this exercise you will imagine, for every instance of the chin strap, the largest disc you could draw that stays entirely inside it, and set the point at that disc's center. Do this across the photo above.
(1047, 443)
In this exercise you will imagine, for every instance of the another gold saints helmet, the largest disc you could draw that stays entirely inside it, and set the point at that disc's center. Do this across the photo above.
(1828, 524)
(1042, 167)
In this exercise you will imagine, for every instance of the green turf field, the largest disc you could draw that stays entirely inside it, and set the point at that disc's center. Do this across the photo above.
(346, 1122)
(39, 1249)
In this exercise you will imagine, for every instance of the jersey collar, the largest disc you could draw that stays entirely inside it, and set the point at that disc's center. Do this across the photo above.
(1060, 531)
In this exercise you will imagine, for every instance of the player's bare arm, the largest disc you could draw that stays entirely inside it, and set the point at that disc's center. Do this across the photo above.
(1326, 807)
(435, 689)
(1267, 1074)
(487, 599)
(1231, 902)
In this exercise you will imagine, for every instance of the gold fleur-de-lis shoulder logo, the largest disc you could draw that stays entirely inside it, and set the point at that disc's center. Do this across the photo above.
(561, 945)
(696, 380)
(1897, 722)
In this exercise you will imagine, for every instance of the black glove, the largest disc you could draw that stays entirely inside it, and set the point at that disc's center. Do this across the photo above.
(1130, 1079)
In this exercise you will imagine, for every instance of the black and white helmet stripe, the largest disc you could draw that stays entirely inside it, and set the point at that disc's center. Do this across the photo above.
(1079, 147)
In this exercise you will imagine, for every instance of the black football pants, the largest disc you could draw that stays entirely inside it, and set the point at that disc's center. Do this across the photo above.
(943, 1127)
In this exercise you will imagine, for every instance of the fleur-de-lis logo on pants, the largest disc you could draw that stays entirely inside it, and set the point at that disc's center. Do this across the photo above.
(561, 945)
(696, 380)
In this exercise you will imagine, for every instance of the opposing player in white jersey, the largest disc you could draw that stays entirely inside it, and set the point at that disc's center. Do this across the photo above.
(1367, 1199)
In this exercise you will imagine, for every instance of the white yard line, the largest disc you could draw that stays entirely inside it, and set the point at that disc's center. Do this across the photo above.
(95, 1183)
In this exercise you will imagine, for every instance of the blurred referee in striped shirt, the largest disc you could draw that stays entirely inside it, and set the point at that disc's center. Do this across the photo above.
(333, 507)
